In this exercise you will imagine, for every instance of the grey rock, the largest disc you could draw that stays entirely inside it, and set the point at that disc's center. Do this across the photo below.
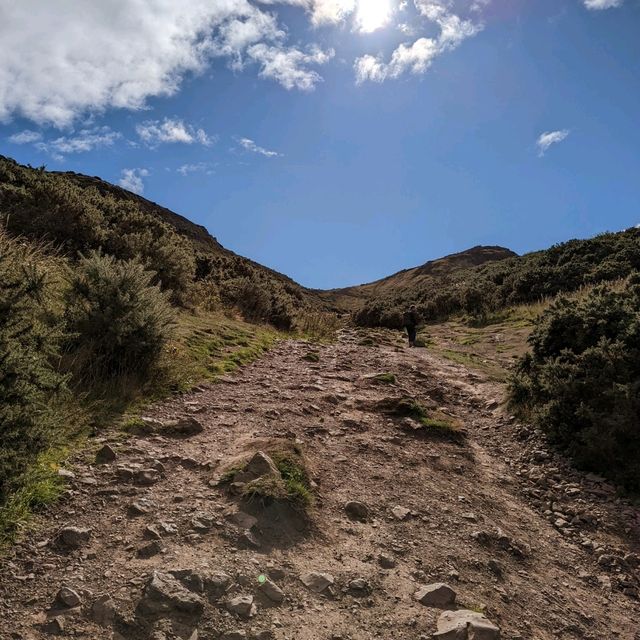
(357, 510)
(74, 537)
(465, 625)
(317, 582)
(436, 595)
(400, 513)
(386, 562)
(183, 427)
(242, 519)
(105, 455)
(242, 606)
(149, 550)
(272, 591)
(103, 611)
(261, 465)
(54, 626)
(67, 597)
(163, 593)
(217, 584)
(147, 477)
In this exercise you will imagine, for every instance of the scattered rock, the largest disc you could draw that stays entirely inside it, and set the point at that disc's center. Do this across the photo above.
(242, 606)
(386, 562)
(147, 477)
(149, 550)
(272, 591)
(165, 594)
(317, 582)
(400, 513)
(104, 611)
(242, 519)
(105, 455)
(74, 537)
(357, 511)
(465, 625)
(359, 586)
(67, 597)
(54, 626)
(140, 507)
(238, 634)
(183, 427)
(436, 595)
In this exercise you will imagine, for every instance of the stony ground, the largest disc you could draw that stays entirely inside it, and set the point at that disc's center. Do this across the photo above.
(545, 552)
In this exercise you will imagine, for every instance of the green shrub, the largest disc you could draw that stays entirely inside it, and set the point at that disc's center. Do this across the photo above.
(581, 382)
(119, 321)
(29, 342)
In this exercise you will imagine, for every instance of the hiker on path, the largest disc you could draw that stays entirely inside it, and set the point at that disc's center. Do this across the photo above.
(411, 319)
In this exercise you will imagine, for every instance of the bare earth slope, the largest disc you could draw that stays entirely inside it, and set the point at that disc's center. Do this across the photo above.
(546, 552)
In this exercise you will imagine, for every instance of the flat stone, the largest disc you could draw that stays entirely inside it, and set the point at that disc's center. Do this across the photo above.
(465, 625)
(149, 550)
(317, 582)
(436, 595)
(165, 594)
(400, 513)
(243, 520)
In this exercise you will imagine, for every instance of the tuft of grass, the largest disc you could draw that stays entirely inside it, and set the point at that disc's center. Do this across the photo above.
(41, 486)
(319, 326)
(312, 356)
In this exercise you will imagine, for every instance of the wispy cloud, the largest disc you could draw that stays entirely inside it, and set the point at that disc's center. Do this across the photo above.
(598, 5)
(25, 137)
(75, 142)
(169, 130)
(250, 145)
(289, 66)
(198, 167)
(419, 55)
(550, 138)
(132, 179)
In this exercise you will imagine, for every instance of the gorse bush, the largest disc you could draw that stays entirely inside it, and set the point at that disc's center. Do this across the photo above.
(29, 342)
(118, 320)
(483, 290)
(581, 382)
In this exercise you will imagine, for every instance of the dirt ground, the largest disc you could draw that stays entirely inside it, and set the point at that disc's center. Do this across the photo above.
(544, 551)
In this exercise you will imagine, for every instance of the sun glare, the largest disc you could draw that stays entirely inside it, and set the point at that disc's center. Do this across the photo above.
(373, 14)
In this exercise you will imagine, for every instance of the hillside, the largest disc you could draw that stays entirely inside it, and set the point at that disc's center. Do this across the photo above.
(75, 214)
(351, 298)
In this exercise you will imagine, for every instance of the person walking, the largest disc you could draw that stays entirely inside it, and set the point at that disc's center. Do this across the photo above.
(411, 320)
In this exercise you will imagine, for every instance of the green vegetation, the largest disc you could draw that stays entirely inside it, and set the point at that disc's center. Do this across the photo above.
(482, 292)
(312, 356)
(434, 424)
(384, 378)
(581, 382)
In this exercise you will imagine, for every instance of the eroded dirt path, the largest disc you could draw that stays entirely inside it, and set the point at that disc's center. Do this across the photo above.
(544, 551)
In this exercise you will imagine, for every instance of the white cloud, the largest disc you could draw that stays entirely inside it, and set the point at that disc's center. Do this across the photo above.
(418, 56)
(132, 180)
(288, 65)
(602, 4)
(549, 138)
(154, 132)
(66, 58)
(79, 142)
(199, 167)
(25, 137)
(250, 145)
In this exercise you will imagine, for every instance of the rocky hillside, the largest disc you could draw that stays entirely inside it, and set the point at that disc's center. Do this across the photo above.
(352, 298)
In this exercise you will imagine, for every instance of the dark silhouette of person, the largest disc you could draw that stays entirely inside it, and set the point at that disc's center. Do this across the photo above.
(411, 319)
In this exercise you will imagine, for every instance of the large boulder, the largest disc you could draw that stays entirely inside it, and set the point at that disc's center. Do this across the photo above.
(164, 594)
(465, 625)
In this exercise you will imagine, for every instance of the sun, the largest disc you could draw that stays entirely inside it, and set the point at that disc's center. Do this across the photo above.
(372, 15)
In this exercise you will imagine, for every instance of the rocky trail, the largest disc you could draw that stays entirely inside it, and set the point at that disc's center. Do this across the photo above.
(408, 523)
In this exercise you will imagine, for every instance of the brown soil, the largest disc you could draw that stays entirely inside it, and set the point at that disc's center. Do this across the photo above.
(546, 552)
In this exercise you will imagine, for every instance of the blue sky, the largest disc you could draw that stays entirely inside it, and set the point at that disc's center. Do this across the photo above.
(339, 141)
